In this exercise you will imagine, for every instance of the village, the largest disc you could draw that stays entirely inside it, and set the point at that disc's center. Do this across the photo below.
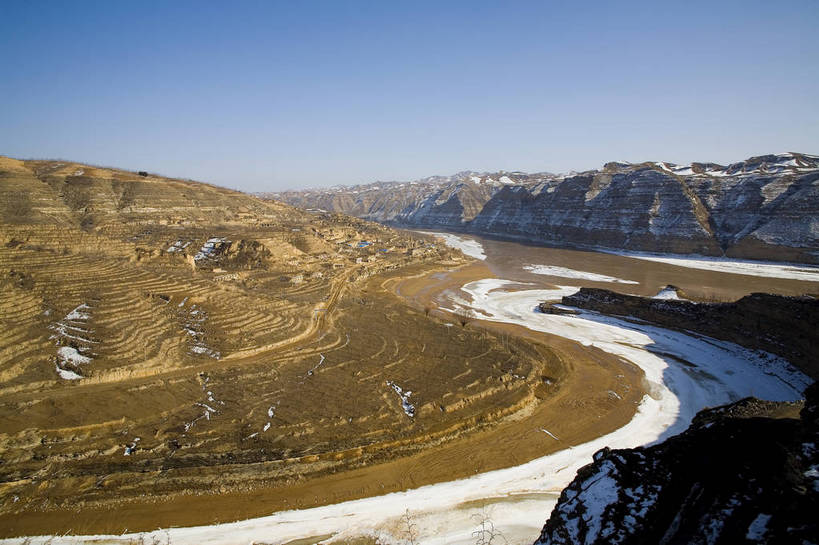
(254, 251)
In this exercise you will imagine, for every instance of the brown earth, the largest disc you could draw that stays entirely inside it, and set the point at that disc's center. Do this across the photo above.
(579, 390)
(293, 315)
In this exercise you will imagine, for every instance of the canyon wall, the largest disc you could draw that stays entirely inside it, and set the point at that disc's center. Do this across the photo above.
(765, 207)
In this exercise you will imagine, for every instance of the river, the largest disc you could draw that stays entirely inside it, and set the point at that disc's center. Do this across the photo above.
(685, 372)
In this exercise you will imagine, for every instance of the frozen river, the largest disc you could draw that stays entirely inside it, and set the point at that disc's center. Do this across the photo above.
(686, 373)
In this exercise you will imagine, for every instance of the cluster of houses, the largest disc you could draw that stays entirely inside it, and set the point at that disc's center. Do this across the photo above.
(310, 252)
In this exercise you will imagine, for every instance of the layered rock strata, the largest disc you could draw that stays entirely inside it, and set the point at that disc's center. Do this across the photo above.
(765, 207)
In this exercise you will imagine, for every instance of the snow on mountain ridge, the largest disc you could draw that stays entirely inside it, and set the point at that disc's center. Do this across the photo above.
(761, 208)
(763, 164)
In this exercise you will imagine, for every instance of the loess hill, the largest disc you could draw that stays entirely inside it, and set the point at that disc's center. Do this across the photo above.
(165, 338)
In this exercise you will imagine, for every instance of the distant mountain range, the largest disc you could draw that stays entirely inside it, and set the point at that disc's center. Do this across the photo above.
(765, 207)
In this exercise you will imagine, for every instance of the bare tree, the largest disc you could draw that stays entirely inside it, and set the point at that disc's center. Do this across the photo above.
(409, 529)
(464, 316)
(486, 533)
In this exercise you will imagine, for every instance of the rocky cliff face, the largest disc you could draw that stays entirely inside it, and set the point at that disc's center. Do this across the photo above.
(740, 474)
(766, 207)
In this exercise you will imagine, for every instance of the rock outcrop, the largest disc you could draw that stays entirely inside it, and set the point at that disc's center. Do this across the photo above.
(766, 207)
(785, 326)
(741, 473)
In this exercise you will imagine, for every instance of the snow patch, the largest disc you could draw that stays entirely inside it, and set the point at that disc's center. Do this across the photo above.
(72, 343)
(598, 493)
(563, 272)
(130, 449)
(669, 292)
(319, 364)
(774, 189)
(408, 407)
(758, 528)
(194, 320)
(767, 269)
(66, 374)
(70, 355)
(79, 313)
(550, 434)
(468, 246)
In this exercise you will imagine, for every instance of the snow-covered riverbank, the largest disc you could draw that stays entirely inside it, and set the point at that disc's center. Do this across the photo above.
(520, 498)
(768, 269)
(469, 246)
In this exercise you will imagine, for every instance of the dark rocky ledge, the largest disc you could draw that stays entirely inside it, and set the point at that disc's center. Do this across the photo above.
(741, 473)
(786, 326)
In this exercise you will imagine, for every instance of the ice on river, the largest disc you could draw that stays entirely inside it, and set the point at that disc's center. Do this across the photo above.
(521, 497)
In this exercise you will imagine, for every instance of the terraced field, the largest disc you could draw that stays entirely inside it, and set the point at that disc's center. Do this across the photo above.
(173, 340)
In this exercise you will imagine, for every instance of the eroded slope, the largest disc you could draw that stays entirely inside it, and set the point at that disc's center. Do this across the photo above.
(165, 339)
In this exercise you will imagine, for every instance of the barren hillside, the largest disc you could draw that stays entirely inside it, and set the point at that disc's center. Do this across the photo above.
(166, 339)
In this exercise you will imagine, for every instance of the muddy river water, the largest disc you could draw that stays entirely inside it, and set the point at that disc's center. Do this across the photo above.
(685, 373)
(638, 274)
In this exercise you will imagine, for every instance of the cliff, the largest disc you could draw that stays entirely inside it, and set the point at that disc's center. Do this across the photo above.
(785, 326)
(765, 207)
(741, 473)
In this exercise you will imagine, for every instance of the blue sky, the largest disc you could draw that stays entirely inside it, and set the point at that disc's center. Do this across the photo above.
(272, 95)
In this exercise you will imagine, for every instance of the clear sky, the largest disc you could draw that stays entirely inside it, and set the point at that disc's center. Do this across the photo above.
(273, 95)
